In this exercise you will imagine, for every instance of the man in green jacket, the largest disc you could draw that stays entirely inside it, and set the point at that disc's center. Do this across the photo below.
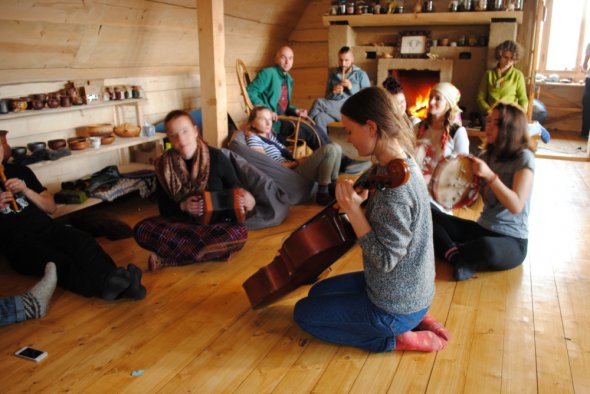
(272, 88)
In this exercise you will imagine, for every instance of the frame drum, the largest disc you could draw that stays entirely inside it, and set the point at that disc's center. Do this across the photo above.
(453, 183)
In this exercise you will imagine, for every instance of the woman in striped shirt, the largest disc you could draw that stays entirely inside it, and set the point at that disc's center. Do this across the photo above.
(321, 167)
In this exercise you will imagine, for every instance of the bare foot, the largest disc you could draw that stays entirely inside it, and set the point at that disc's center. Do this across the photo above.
(153, 262)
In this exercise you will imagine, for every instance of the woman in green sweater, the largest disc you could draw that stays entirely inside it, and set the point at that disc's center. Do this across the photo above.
(503, 82)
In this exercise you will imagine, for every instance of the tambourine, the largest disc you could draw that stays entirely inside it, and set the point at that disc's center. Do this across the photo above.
(424, 156)
(453, 183)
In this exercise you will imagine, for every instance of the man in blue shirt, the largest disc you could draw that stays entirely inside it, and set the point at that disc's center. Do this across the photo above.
(343, 82)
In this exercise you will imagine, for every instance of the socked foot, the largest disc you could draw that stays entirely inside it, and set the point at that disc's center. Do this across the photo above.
(422, 341)
(115, 284)
(429, 323)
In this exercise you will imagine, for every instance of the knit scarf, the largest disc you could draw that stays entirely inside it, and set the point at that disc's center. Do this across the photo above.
(177, 179)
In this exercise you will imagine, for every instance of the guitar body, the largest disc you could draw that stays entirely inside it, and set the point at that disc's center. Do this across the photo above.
(314, 246)
(304, 255)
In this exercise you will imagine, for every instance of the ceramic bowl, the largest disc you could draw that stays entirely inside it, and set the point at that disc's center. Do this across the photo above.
(19, 151)
(35, 146)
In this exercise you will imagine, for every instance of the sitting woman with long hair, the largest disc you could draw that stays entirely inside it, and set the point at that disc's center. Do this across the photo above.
(321, 167)
(384, 307)
(184, 173)
(498, 240)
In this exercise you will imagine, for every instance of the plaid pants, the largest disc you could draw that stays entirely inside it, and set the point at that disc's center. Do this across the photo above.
(180, 243)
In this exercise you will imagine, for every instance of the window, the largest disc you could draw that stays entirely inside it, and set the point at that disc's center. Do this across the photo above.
(564, 37)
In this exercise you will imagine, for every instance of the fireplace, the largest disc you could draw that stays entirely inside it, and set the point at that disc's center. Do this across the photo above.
(416, 76)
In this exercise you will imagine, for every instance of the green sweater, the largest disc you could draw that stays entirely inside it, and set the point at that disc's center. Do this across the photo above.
(508, 88)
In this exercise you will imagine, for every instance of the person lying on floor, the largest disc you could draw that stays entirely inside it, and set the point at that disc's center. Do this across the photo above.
(321, 167)
(184, 174)
(29, 238)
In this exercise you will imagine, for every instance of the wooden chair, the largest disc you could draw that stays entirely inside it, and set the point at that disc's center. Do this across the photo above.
(244, 80)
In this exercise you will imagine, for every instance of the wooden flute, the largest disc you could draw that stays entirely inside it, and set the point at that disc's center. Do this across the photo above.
(3, 179)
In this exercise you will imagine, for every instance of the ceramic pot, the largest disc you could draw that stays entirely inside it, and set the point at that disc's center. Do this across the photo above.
(5, 146)
(18, 151)
(38, 104)
(65, 101)
(35, 146)
(53, 102)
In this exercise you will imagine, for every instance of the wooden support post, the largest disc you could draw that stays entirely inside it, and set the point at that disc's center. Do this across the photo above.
(212, 70)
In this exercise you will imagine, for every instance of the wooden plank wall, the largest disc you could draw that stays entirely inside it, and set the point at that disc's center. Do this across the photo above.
(153, 43)
(310, 44)
(128, 42)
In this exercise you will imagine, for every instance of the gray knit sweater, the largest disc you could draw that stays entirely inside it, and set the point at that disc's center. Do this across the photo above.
(398, 254)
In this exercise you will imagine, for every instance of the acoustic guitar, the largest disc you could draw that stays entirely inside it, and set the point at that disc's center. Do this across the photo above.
(315, 245)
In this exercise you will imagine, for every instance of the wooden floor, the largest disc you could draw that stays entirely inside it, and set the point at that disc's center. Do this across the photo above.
(568, 145)
(522, 331)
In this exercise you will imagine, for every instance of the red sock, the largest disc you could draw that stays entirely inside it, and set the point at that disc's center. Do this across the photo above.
(423, 341)
(429, 323)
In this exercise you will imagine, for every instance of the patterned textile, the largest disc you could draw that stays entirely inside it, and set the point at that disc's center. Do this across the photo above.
(146, 186)
(174, 176)
(181, 243)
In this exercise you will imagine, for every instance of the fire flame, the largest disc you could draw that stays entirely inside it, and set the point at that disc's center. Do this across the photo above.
(421, 106)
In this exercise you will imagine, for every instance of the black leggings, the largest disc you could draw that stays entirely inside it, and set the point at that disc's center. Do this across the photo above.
(82, 265)
(480, 248)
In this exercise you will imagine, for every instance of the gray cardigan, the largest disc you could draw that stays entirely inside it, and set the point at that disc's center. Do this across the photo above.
(398, 253)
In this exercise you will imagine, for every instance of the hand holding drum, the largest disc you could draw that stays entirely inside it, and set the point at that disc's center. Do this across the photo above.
(455, 181)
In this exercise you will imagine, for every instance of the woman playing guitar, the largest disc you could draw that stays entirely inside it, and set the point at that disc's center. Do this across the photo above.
(377, 309)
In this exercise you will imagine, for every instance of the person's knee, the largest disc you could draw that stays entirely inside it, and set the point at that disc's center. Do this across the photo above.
(333, 150)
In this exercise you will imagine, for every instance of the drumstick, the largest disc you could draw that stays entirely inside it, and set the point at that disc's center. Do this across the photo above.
(3, 179)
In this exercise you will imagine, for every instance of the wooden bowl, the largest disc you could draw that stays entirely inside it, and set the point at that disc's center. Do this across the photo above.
(127, 130)
(95, 130)
(107, 139)
(56, 144)
(79, 145)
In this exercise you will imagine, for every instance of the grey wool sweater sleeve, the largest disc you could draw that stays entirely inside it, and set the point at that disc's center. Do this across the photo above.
(398, 253)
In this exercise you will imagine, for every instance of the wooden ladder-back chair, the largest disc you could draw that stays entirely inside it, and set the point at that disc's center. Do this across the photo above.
(300, 149)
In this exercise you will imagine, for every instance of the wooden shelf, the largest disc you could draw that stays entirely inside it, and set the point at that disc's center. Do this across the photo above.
(60, 110)
(423, 19)
(64, 209)
(120, 143)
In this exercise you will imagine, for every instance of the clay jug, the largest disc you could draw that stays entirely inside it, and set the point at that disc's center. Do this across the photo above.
(5, 146)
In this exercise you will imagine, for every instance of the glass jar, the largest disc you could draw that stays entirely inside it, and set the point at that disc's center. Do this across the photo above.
(428, 6)
(481, 5)
(350, 8)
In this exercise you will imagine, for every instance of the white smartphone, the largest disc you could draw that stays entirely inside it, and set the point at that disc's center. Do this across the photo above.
(31, 354)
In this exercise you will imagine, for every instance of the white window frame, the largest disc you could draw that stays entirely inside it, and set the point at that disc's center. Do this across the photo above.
(577, 73)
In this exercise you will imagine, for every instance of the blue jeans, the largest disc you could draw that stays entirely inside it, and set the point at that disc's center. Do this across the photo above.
(338, 310)
(12, 310)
